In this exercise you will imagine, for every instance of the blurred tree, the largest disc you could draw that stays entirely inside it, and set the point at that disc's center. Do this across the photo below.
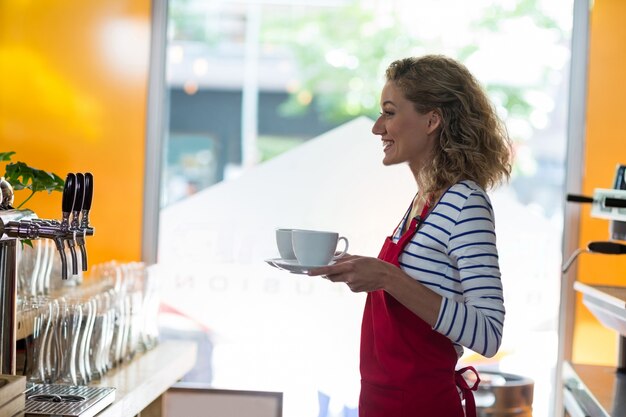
(188, 23)
(341, 53)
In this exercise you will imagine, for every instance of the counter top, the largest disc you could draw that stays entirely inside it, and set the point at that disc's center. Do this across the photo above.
(600, 390)
(610, 294)
(606, 386)
(142, 380)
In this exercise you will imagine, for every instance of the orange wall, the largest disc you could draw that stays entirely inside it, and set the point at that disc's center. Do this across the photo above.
(73, 80)
(605, 147)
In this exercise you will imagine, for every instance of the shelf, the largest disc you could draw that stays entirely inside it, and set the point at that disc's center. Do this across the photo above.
(607, 303)
(23, 325)
(142, 380)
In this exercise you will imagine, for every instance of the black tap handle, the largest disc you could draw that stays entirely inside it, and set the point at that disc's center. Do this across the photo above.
(69, 193)
(579, 198)
(608, 201)
(614, 202)
(88, 191)
(80, 187)
(607, 247)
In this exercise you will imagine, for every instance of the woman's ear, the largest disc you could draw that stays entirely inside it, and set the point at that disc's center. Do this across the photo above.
(434, 121)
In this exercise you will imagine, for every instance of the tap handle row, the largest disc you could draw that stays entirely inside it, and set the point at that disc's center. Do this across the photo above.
(76, 201)
(77, 195)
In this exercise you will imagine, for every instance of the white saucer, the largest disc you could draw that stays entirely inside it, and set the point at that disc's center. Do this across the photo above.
(292, 265)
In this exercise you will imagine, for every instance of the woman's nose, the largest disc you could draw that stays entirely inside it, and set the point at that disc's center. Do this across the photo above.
(378, 128)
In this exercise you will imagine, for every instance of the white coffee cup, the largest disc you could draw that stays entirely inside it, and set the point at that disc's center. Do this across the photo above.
(316, 248)
(283, 242)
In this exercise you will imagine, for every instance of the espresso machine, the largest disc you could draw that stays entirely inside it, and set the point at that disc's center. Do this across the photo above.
(595, 390)
(609, 204)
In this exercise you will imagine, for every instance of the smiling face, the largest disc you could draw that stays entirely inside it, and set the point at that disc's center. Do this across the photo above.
(407, 135)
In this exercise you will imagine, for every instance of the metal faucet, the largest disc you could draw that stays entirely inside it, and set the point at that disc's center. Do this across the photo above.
(16, 224)
(79, 235)
(62, 232)
(65, 233)
(80, 214)
(85, 228)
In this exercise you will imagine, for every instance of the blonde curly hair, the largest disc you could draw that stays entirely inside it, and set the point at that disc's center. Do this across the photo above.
(473, 141)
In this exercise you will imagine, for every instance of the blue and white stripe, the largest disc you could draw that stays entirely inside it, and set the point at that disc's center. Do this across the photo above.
(454, 253)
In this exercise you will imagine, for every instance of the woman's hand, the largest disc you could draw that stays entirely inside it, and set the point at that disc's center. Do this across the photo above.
(364, 274)
(360, 273)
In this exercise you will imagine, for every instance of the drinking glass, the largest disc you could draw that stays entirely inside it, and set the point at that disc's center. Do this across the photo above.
(35, 267)
(151, 304)
(50, 353)
(71, 319)
(86, 331)
(34, 315)
(99, 343)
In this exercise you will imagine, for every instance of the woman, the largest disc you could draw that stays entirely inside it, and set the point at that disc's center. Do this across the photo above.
(435, 287)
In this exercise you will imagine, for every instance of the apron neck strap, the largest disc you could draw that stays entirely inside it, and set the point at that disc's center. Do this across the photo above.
(412, 221)
(425, 209)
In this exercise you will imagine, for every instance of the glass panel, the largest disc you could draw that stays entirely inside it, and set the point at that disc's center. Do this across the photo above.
(275, 100)
(192, 165)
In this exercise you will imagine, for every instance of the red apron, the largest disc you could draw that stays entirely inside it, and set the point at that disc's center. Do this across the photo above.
(407, 368)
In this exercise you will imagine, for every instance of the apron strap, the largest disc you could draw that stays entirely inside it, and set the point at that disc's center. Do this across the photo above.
(425, 209)
(461, 382)
(415, 223)
(402, 222)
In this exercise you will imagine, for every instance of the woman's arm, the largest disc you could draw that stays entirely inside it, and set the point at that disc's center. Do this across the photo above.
(476, 321)
(475, 318)
(418, 298)
(364, 274)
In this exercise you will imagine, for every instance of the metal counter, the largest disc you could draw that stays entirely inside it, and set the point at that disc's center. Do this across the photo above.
(594, 391)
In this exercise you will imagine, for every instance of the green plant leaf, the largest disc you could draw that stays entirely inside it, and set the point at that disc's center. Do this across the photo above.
(6, 156)
(22, 176)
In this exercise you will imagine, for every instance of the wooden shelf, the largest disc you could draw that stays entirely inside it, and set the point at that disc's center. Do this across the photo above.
(23, 325)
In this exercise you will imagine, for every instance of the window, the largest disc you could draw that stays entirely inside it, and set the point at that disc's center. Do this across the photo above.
(270, 118)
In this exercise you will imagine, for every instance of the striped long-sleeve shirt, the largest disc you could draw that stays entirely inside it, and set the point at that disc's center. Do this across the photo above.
(454, 254)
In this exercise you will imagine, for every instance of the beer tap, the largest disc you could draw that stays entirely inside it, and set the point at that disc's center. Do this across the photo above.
(69, 196)
(72, 230)
(84, 227)
(78, 233)
(50, 229)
